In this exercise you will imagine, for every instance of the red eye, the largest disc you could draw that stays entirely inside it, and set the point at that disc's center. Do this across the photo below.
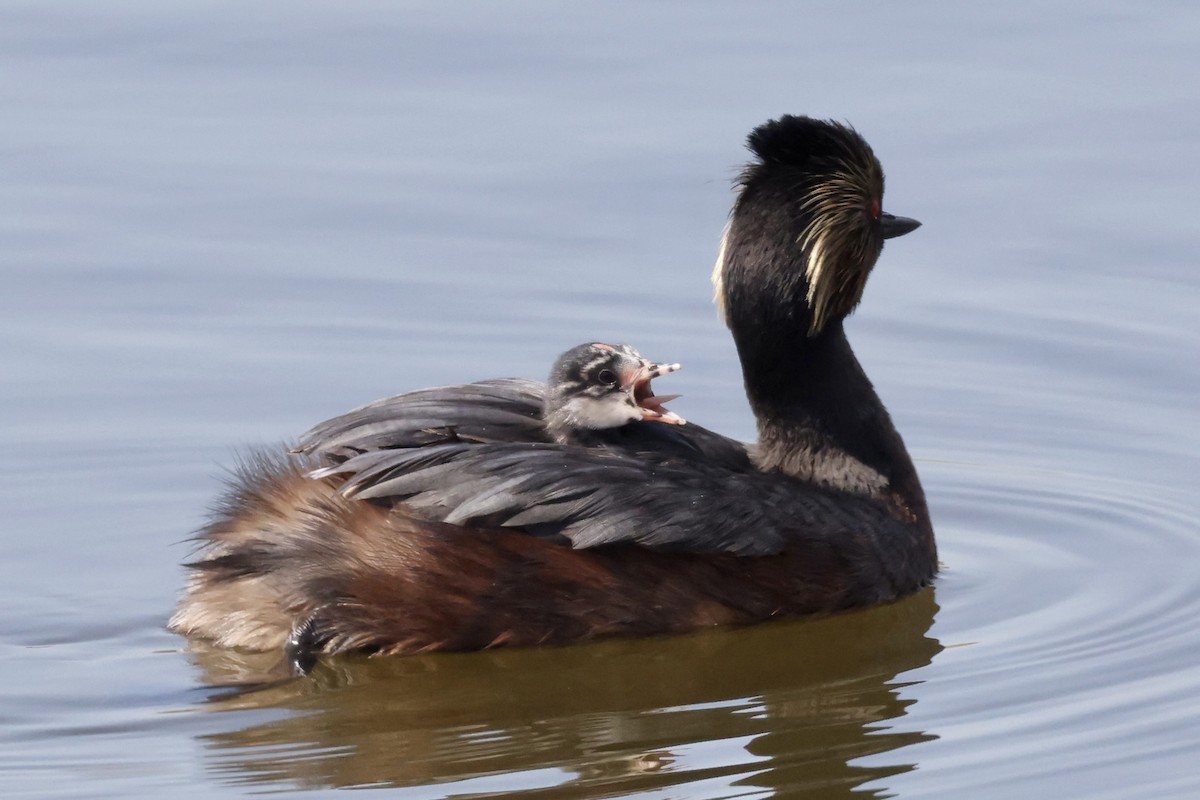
(875, 210)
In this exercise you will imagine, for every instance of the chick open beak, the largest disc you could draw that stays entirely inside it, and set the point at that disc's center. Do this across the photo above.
(652, 405)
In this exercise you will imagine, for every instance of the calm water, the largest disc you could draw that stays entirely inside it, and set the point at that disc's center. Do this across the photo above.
(220, 225)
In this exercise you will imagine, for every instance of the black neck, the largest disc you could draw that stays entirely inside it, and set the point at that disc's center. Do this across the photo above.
(819, 417)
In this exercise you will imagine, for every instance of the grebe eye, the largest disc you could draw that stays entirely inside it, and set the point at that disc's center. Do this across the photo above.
(607, 377)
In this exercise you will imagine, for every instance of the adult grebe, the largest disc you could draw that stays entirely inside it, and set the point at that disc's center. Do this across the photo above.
(450, 519)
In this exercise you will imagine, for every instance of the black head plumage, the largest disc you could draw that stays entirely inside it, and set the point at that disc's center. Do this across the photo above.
(806, 142)
(806, 230)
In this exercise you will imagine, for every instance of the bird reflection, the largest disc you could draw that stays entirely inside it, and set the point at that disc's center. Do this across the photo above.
(788, 708)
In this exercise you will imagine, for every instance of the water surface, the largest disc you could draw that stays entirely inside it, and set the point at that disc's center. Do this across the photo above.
(219, 225)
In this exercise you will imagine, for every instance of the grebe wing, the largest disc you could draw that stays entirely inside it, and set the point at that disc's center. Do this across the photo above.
(593, 497)
(500, 410)
(657, 442)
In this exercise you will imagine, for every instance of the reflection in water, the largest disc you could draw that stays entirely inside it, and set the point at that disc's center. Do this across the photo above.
(784, 707)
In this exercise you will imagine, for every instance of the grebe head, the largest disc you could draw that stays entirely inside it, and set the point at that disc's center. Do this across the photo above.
(596, 386)
(807, 227)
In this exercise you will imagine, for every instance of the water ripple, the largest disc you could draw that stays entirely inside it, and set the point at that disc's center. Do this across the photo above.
(1069, 603)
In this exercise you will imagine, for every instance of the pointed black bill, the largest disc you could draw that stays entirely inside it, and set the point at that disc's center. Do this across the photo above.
(894, 226)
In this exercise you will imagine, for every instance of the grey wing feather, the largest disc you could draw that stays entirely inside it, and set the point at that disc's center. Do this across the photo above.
(477, 455)
(501, 410)
(592, 499)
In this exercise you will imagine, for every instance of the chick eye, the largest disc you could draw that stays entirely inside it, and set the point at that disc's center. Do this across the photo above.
(607, 377)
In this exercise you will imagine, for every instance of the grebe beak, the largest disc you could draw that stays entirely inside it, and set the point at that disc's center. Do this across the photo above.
(653, 409)
(894, 226)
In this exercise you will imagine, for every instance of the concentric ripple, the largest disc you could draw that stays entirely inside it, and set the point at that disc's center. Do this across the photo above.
(1063, 662)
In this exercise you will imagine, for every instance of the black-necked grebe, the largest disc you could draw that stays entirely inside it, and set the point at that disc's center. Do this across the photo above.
(451, 518)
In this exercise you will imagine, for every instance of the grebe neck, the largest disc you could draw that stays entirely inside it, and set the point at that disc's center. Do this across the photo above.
(820, 419)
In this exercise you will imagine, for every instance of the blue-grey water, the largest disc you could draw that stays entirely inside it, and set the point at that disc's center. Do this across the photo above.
(223, 222)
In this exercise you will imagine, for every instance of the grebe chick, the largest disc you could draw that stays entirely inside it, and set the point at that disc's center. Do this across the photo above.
(451, 518)
(598, 386)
